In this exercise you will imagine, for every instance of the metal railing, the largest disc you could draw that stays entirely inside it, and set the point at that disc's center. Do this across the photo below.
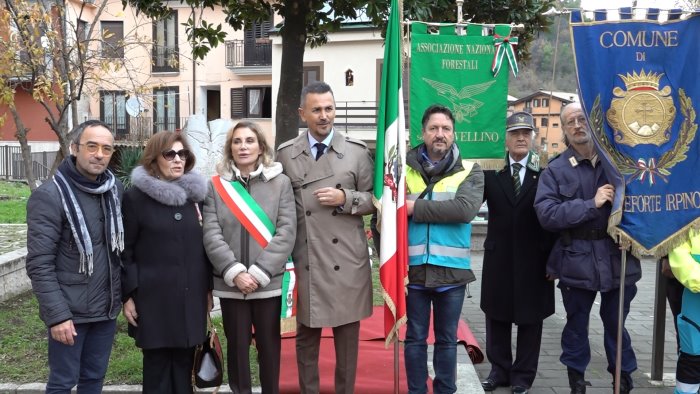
(128, 128)
(245, 54)
(165, 59)
(357, 115)
(12, 166)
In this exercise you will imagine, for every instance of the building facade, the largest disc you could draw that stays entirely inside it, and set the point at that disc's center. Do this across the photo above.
(545, 107)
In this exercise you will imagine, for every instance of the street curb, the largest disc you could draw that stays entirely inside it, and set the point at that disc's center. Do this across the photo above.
(467, 383)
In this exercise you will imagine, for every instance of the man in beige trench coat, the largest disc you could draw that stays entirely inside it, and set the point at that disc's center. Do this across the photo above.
(332, 186)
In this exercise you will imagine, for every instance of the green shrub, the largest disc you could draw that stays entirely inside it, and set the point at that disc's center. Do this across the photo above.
(128, 159)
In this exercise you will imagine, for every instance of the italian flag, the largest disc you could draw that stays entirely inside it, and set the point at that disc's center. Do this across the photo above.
(390, 182)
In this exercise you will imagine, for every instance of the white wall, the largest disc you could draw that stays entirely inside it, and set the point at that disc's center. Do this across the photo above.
(357, 49)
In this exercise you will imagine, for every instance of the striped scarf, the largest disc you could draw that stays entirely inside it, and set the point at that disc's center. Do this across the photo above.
(67, 177)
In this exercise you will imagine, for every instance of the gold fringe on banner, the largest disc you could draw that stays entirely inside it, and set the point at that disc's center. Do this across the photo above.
(662, 249)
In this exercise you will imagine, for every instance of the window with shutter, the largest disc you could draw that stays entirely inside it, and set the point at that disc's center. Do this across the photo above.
(257, 48)
(166, 110)
(165, 46)
(113, 111)
(237, 103)
(112, 39)
(251, 102)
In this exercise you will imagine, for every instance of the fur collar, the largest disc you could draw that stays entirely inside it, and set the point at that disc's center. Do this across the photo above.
(264, 172)
(189, 187)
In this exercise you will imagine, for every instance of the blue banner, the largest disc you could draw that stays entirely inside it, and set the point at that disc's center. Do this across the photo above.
(639, 83)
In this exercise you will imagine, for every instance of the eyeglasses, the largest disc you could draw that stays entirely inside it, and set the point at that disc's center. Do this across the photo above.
(92, 147)
(578, 121)
(169, 155)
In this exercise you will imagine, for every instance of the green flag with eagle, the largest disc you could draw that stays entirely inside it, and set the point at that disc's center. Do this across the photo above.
(469, 75)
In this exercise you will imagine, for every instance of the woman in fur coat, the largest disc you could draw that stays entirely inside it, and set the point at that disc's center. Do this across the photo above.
(247, 274)
(166, 278)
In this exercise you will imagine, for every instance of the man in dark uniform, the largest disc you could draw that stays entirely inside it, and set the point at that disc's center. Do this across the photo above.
(575, 198)
(515, 288)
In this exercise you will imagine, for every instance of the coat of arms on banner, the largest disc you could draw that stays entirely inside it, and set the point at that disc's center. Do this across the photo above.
(639, 87)
(642, 114)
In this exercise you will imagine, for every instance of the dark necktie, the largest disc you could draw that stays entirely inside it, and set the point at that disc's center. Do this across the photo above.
(320, 147)
(516, 177)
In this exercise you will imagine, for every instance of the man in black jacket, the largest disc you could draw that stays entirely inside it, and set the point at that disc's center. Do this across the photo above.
(514, 287)
(74, 238)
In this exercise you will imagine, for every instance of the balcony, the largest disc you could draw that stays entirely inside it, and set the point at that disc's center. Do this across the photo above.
(249, 57)
(165, 59)
(128, 128)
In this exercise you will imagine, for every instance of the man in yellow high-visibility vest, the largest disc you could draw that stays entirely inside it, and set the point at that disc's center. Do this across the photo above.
(444, 195)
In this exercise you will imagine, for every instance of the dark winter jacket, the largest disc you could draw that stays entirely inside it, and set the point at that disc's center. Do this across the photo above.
(565, 204)
(166, 270)
(53, 260)
(514, 287)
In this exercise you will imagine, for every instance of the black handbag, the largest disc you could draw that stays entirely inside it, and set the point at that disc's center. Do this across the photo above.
(208, 369)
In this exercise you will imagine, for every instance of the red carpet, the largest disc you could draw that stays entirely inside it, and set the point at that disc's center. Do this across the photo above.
(375, 364)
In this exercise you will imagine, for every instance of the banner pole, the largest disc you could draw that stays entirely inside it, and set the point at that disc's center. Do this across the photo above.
(396, 365)
(620, 321)
(459, 11)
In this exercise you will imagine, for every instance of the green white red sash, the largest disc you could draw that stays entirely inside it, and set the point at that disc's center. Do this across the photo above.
(254, 219)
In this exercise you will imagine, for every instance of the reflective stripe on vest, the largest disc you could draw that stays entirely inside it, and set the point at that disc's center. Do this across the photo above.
(444, 244)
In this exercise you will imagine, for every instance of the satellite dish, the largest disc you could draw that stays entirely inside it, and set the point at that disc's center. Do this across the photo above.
(134, 106)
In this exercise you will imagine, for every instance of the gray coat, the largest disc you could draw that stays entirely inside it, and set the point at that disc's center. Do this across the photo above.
(330, 254)
(230, 247)
(53, 260)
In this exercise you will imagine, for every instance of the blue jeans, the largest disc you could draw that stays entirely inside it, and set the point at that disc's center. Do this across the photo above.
(576, 350)
(447, 307)
(83, 364)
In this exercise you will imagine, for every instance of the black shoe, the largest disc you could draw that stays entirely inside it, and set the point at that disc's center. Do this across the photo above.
(490, 384)
(519, 390)
(624, 389)
(625, 384)
(579, 388)
(576, 381)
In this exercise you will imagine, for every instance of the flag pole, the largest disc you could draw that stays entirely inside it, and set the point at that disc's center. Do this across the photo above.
(620, 321)
(396, 366)
(389, 187)
(397, 369)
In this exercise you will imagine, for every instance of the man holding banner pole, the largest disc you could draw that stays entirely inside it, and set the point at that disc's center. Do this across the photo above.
(444, 195)
(574, 198)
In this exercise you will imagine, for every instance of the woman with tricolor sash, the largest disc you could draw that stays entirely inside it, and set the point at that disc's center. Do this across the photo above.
(249, 232)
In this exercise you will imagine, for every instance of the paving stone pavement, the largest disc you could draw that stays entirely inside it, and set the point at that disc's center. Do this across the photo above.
(12, 237)
(551, 374)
